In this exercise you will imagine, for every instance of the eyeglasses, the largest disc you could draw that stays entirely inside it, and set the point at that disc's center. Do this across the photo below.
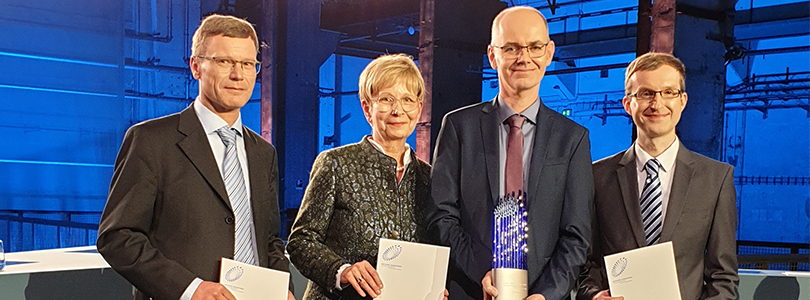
(386, 103)
(666, 94)
(513, 50)
(226, 63)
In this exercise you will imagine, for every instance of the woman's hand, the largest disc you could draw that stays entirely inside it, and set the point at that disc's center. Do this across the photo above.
(363, 277)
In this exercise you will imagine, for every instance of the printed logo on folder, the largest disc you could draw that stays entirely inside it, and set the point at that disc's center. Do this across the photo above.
(392, 252)
(234, 274)
(618, 267)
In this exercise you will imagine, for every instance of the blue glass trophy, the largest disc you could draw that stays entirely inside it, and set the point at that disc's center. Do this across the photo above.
(510, 232)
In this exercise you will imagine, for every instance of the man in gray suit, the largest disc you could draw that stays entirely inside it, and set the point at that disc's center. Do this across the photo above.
(659, 191)
(193, 187)
(472, 161)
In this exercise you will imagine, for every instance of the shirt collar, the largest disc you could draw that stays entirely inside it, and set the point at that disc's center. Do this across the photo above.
(211, 122)
(667, 158)
(405, 160)
(504, 111)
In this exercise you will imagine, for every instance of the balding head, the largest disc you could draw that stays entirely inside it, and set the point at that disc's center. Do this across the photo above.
(516, 17)
(520, 51)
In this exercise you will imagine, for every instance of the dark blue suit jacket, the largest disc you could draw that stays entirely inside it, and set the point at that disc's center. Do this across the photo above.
(464, 183)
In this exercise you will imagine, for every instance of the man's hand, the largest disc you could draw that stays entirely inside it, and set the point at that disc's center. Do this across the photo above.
(212, 291)
(489, 290)
(363, 277)
(605, 295)
(446, 294)
(536, 297)
(290, 296)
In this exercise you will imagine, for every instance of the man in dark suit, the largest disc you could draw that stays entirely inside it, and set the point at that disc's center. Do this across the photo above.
(659, 191)
(179, 199)
(470, 169)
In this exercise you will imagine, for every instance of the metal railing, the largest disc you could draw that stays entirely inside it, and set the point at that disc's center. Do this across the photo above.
(35, 230)
(776, 256)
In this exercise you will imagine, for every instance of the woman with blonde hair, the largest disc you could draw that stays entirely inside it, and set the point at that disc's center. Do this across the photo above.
(362, 192)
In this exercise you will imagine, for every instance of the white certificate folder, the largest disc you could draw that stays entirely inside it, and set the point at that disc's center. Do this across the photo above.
(249, 282)
(644, 273)
(412, 271)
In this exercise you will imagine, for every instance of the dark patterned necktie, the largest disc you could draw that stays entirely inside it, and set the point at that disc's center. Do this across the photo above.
(651, 203)
(513, 177)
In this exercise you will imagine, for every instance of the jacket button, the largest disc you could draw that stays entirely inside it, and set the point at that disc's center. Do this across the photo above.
(395, 234)
(229, 220)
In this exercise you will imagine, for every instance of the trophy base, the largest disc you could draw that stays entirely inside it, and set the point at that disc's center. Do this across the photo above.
(511, 283)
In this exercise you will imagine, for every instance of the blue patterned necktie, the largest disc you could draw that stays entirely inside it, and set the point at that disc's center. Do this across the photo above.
(237, 193)
(651, 203)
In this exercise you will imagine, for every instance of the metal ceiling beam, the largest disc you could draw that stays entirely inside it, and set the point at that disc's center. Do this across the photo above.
(772, 29)
(761, 23)
(591, 49)
(339, 13)
(758, 23)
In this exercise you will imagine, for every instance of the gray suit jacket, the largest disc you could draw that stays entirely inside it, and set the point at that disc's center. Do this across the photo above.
(168, 218)
(701, 220)
(465, 183)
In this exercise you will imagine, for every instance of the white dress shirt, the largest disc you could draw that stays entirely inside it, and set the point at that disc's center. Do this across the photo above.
(210, 123)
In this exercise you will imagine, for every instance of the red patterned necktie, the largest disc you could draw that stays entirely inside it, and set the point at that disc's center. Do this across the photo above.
(514, 155)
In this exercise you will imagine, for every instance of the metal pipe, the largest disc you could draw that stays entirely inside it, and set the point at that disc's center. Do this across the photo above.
(573, 70)
(54, 163)
(57, 59)
(129, 65)
(83, 93)
(42, 89)
(777, 50)
(365, 37)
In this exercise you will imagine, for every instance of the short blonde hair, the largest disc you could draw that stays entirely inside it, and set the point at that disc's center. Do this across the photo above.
(228, 26)
(388, 70)
(652, 61)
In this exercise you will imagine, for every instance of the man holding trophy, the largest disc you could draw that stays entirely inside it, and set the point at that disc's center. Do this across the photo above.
(511, 181)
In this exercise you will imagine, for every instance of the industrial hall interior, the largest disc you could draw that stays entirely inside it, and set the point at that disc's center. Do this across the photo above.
(76, 75)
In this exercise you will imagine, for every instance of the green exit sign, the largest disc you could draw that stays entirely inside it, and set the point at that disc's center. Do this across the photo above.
(566, 112)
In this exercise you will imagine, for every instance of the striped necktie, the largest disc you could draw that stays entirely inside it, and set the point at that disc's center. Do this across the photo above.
(651, 203)
(237, 193)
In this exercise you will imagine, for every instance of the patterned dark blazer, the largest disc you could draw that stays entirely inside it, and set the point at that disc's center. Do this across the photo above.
(352, 201)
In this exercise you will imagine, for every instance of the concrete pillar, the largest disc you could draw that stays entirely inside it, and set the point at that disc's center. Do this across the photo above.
(453, 36)
(695, 32)
(701, 28)
(269, 44)
(297, 48)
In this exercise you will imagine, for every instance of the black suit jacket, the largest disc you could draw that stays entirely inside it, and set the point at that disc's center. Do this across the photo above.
(168, 218)
(700, 220)
(464, 184)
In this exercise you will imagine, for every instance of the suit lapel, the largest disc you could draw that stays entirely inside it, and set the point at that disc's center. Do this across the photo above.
(542, 131)
(679, 192)
(254, 166)
(628, 182)
(489, 138)
(258, 185)
(196, 147)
